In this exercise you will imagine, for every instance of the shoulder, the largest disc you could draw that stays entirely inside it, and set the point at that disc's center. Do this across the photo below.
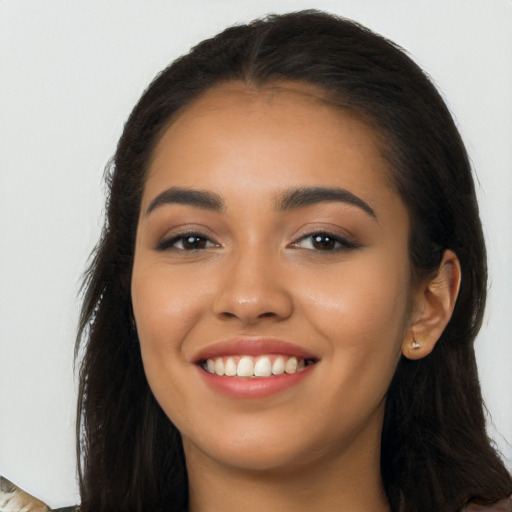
(504, 505)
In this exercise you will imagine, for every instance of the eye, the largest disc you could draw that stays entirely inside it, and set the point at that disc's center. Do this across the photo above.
(191, 242)
(324, 242)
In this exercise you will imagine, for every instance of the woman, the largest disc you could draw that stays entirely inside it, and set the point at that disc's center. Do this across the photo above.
(280, 313)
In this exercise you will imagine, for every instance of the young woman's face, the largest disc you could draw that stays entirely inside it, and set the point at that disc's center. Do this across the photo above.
(270, 241)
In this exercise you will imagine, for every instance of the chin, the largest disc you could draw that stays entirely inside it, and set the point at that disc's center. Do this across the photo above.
(252, 456)
(263, 446)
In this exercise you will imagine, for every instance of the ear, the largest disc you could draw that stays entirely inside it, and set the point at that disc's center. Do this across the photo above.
(434, 301)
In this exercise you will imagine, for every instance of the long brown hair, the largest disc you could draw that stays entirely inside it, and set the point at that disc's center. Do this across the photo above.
(435, 451)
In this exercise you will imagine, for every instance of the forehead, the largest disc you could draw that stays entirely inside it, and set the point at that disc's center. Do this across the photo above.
(234, 109)
(243, 138)
(244, 102)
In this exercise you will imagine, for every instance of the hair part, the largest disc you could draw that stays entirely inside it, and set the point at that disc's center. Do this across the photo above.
(435, 451)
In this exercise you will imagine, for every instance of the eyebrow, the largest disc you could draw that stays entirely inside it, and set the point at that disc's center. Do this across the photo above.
(197, 198)
(306, 196)
(287, 200)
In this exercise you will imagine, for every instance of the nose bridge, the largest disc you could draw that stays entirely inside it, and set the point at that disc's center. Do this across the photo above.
(251, 288)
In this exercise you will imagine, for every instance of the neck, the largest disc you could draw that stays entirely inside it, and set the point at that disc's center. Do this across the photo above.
(342, 483)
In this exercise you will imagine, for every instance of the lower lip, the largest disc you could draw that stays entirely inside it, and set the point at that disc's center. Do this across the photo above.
(255, 387)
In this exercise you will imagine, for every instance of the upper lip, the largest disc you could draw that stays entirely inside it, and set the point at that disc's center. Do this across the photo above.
(252, 347)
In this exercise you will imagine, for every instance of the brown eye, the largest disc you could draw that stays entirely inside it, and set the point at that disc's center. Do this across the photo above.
(323, 242)
(189, 242)
(193, 243)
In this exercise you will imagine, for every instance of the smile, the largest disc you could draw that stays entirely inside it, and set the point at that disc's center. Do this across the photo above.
(253, 368)
(270, 365)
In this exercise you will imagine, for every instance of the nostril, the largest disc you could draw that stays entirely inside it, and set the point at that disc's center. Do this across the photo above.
(227, 314)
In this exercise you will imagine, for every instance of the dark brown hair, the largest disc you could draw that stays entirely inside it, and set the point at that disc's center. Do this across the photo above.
(435, 451)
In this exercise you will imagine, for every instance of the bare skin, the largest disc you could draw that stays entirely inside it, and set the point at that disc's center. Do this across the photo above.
(297, 236)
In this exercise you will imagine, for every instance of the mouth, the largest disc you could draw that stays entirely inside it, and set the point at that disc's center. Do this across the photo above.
(253, 367)
(262, 366)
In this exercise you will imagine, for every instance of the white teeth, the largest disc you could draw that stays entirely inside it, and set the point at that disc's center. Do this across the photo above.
(230, 367)
(263, 367)
(278, 366)
(245, 367)
(291, 365)
(248, 366)
(219, 366)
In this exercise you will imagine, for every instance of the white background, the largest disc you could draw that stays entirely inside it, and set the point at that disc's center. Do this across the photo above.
(70, 72)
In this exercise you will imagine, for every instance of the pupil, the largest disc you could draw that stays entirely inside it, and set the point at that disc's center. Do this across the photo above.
(323, 242)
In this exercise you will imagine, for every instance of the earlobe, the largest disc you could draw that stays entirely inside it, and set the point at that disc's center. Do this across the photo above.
(433, 308)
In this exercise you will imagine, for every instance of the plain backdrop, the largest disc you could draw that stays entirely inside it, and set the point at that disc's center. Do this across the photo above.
(70, 72)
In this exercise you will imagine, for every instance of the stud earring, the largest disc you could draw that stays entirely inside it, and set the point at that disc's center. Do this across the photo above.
(416, 344)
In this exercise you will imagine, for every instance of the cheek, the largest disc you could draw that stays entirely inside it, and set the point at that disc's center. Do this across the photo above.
(366, 294)
(164, 306)
(164, 316)
(363, 314)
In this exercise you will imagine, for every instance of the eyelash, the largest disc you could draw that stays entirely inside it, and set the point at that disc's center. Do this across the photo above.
(335, 243)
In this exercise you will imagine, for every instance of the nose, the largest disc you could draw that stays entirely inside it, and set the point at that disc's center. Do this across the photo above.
(252, 288)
